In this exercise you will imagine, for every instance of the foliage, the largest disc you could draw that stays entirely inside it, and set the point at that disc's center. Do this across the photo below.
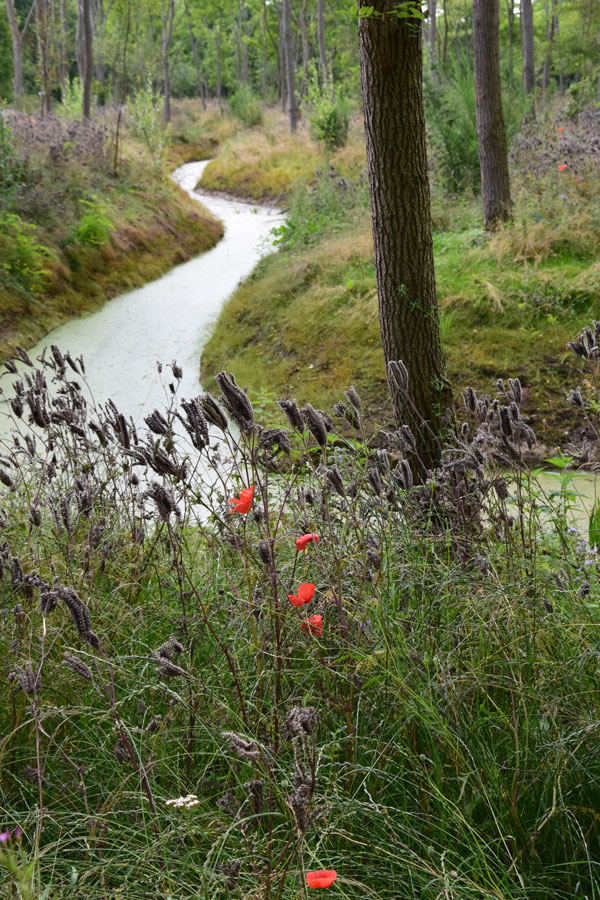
(71, 104)
(329, 114)
(245, 106)
(11, 166)
(23, 257)
(325, 677)
(94, 226)
(146, 118)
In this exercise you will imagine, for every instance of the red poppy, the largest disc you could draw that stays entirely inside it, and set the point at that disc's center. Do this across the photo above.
(322, 878)
(313, 625)
(560, 129)
(563, 166)
(243, 503)
(305, 594)
(301, 542)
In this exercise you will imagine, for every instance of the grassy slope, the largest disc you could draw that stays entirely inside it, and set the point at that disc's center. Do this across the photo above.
(509, 304)
(153, 225)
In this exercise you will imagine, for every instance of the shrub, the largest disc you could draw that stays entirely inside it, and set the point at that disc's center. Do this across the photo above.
(71, 104)
(329, 114)
(11, 166)
(146, 117)
(244, 105)
(94, 226)
(22, 258)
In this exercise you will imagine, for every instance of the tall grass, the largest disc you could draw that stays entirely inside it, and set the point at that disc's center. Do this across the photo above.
(433, 733)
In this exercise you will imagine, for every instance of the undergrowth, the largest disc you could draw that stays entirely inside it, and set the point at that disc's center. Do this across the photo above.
(236, 654)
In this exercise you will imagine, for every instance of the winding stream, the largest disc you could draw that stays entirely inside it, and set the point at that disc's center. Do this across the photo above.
(168, 319)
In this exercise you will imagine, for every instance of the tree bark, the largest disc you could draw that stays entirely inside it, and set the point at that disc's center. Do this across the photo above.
(321, 41)
(305, 47)
(431, 36)
(391, 68)
(549, 42)
(167, 15)
(491, 133)
(527, 42)
(510, 10)
(88, 72)
(17, 35)
(218, 62)
(289, 66)
(42, 22)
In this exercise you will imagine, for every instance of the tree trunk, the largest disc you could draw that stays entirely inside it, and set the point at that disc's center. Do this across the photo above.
(305, 47)
(392, 91)
(218, 63)
(17, 35)
(194, 48)
(99, 20)
(510, 10)
(527, 42)
(321, 41)
(289, 66)
(549, 42)
(432, 34)
(42, 22)
(491, 134)
(167, 14)
(88, 73)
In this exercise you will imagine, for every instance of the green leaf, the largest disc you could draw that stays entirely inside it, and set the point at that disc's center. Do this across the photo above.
(561, 462)
(594, 526)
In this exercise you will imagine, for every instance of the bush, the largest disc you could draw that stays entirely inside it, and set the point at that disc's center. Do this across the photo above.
(329, 115)
(146, 117)
(23, 258)
(71, 105)
(11, 166)
(94, 226)
(244, 105)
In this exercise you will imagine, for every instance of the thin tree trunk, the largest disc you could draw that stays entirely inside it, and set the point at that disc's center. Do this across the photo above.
(527, 42)
(391, 80)
(167, 15)
(218, 61)
(432, 34)
(510, 9)
(17, 35)
(43, 40)
(265, 51)
(282, 68)
(244, 35)
(194, 48)
(549, 42)
(321, 41)
(289, 66)
(305, 47)
(491, 133)
(88, 73)
(446, 32)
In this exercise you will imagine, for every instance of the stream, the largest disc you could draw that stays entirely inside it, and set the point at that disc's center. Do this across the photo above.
(168, 319)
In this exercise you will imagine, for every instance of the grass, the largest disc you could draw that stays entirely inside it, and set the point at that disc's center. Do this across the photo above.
(75, 235)
(438, 737)
(509, 302)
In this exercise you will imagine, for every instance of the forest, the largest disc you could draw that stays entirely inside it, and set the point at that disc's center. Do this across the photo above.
(299, 449)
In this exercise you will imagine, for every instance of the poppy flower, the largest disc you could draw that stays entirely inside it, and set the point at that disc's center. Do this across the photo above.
(301, 542)
(560, 129)
(313, 625)
(322, 878)
(563, 166)
(243, 503)
(305, 594)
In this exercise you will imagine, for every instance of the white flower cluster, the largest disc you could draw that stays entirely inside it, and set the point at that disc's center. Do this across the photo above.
(184, 802)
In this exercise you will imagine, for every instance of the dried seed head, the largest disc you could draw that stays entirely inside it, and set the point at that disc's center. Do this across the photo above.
(470, 399)
(290, 408)
(236, 401)
(505, 422)
(263, 549)
(334, 478)
(352, 396)
(157, 423)
(575, 397)
(29, 682)
(78, 665)
(177, 371)
(165, 502)
(244, 749)
(374, 479)
(213, 412)
(170, 648)
(516, 389)
(315, 424)
(302, 721)
(398, 375)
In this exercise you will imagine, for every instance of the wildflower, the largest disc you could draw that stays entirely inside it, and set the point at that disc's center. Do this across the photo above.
(313, 625)
(243, 503)
(4, 837)
(186, 802)
(305, 594)
(563, 166)
(321, 878)
(560, 129)
(301, 542)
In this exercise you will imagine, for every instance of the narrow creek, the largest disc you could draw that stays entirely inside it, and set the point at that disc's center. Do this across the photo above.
(168, 319)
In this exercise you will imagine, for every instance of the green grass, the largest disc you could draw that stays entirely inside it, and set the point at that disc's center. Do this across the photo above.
(454, 683)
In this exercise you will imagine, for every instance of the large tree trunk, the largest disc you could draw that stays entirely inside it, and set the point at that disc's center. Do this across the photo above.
(391, 80)
(491, 133)
(527, 43)
(289, 66)
(321, 41)
(88, 72)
